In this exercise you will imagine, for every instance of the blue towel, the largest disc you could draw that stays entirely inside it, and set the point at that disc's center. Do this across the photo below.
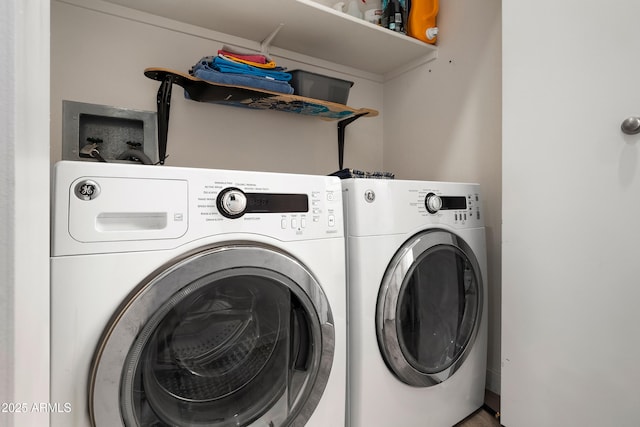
(211, 75)
(225, 66)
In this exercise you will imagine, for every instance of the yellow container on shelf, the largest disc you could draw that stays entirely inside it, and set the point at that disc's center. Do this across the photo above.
(421, 23)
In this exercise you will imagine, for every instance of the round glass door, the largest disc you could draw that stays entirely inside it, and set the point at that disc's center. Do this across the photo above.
(429, 308)
(233, 336)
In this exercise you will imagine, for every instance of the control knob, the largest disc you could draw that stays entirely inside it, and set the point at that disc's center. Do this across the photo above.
(232, 202)
(433, 203)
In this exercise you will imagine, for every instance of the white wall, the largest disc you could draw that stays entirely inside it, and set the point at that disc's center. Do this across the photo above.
(7, 143)
(442, 122)
(99, 58)
(24, 211)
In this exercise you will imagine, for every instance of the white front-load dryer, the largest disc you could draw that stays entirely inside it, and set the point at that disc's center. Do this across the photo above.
(195, 297)
(417, 302)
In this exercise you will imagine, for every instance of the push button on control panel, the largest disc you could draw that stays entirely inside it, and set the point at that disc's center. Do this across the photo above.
(295, 223)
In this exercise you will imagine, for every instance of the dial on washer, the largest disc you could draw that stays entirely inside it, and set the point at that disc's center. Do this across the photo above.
(433, 203)
(232, 202)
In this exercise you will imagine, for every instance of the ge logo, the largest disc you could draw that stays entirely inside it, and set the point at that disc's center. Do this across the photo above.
(87, 190)
(369, 196)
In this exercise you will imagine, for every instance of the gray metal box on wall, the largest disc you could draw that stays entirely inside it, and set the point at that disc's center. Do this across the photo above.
(115, 131)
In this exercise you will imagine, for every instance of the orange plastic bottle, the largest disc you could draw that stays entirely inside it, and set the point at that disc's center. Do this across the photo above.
(421, 23)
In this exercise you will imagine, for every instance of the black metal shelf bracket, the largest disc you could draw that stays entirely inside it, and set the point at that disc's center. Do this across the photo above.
(342, 124)
(164, 105)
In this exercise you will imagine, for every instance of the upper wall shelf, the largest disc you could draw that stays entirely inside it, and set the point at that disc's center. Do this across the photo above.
(309, 28)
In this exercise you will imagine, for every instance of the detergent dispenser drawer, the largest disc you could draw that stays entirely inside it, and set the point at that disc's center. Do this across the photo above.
(126, 209)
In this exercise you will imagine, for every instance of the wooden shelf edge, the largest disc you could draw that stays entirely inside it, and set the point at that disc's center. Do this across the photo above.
(242, 96)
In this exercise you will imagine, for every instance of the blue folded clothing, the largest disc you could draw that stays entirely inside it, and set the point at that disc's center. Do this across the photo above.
(225, 66)
(211, 75)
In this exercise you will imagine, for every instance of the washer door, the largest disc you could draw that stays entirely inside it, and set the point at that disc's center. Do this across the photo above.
(229, 336)
(429, 308)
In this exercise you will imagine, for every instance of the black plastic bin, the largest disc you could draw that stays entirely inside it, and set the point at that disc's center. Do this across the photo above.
(317, 86)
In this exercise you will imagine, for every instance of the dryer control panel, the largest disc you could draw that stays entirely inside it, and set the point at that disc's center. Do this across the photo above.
(461, 209)
(376, 206)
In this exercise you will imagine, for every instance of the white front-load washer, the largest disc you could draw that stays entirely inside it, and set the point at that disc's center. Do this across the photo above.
(417, 302)
(195, 297)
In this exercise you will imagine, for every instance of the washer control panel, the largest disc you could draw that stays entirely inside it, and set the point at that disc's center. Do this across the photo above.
(116, 207)
(433, 203)
(303, 207)
(232, 202)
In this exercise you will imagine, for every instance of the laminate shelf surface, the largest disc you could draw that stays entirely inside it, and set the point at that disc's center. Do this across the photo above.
(301, 26)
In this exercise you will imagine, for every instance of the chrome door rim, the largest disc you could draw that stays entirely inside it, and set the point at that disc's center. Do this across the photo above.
(399, 270)
(152, 293)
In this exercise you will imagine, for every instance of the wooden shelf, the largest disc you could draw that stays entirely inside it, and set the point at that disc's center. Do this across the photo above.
(309, 28)
(246, 97)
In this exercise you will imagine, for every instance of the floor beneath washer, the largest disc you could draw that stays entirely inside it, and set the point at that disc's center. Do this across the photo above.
(487, 416)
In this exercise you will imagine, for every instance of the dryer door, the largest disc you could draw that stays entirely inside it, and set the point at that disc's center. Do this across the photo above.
(229, 336)
(429, 308)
